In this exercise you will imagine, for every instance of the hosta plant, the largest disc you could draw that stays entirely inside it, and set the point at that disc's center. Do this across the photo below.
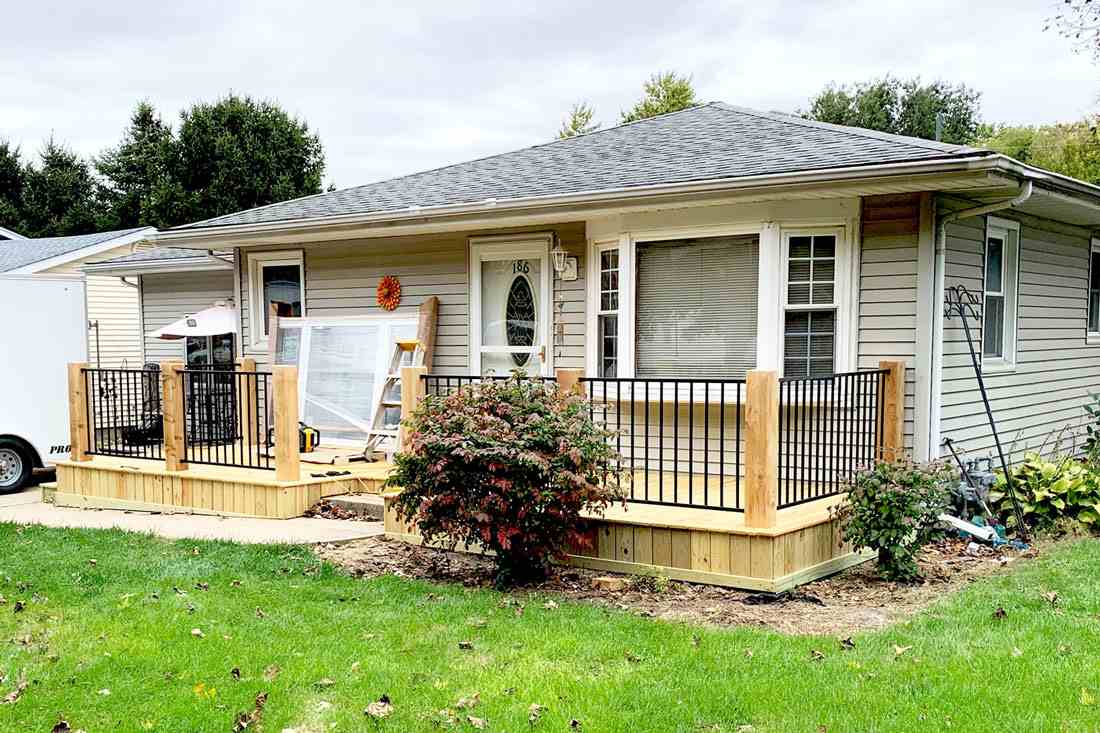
(509, 466)
(892, 509)
(1049, 491)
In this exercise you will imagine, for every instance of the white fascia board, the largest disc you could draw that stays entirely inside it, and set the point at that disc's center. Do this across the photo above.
(89, 251)
(157, 267)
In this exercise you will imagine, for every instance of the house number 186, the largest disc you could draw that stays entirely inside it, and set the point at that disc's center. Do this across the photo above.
(521, 266)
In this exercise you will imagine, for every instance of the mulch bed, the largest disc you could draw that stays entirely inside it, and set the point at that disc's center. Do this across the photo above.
(851, 601)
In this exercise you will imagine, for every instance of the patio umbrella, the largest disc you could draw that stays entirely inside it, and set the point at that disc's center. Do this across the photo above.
(214, 321)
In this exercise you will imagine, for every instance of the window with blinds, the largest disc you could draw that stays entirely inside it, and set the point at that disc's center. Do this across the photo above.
(696, 304)
(809, 337)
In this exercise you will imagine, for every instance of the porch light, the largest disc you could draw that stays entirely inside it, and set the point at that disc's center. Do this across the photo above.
(559, 255)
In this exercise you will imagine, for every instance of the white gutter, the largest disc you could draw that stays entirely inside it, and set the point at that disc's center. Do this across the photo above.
(939, 278)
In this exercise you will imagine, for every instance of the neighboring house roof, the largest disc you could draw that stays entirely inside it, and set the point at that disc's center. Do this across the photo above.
(34, 255)
(10, 234)
(161, 259)
(708, 142)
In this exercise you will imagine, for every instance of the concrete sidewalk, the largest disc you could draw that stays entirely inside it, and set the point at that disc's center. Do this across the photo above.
(27, 507)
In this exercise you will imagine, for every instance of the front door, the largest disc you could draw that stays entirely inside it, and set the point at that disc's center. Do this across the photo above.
(510, 313)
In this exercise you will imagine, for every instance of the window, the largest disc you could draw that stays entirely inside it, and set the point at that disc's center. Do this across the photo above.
(696, 307)
(810, 316)
(999, 307)
(274, 278)
(607, 319)
(1094, 289)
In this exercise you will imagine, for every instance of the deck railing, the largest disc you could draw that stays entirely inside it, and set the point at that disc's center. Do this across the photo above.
(239, 417)
(123, 412)
(438, 384)
(829, 430)
(678, 441)
(226, 418)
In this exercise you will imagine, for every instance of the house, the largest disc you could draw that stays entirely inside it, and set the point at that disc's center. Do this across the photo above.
(683, 261)
(114, 335)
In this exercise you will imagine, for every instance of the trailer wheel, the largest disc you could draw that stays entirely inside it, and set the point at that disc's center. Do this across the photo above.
(15, 466)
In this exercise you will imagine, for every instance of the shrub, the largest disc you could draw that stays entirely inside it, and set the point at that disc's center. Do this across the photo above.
(1092, 427)
(1049, 491)
(507, 465)
(892, 509)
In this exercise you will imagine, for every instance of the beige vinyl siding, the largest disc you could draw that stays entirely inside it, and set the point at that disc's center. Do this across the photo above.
(1040, 404)
(341, 279)
(169, 297)
(887, 328)
(115, 306)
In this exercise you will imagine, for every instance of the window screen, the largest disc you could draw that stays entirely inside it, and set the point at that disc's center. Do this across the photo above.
(993, 322)
(809, 333)
(696, 307)
(1094, 293)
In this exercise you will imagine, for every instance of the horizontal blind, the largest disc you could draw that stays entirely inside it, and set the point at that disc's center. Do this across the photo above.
(696, 307)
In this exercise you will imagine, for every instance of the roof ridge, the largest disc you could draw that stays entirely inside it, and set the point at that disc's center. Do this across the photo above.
(791, 119)
(437, 169)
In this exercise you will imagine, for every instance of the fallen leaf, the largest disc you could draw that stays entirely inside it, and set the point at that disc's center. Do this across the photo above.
(695, 640)
(816, 655)
(1051, 597)
(1016, 652)
(104, 692)
(234, 584)
(355, 666)
(534, 713)
(18, 607)
(632, 657)
(14, 695)
(549, 605)
(324, 682)
(197, 633)
(575, 724)
(61, 726)
(235, 673)
(847, 643)
(1087, 698)
(271, 672)
(92, 561)
(244, 720)
(468, 702)
(1000, 614)
(466, 645)
(748, 653)
(202, 586)
(380, 709)
(260, 612)
(899, 650)
(478, 723)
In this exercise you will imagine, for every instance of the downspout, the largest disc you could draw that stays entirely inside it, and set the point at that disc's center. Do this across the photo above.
(937, 301)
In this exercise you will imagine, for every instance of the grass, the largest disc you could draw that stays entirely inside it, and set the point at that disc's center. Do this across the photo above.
(118, 625)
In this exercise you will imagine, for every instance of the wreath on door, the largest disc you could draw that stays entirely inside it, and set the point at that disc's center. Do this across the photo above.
(389, 293)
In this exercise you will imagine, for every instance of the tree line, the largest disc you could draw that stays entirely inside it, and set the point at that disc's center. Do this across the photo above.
(232, 154)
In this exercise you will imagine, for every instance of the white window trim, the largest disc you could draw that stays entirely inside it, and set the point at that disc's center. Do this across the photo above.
(519, 246)
(256, 262)
(1091, 337)
(771, 289)
(844, 284)
(1010, 259)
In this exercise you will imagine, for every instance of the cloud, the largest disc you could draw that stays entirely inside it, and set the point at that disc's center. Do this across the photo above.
(398, 87)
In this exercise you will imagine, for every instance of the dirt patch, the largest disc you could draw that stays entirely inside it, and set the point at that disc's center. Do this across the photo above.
(851, 601)
(325, 509)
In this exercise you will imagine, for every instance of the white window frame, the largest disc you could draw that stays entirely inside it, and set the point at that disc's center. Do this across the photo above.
(1091, 337)
(1009, 233)
(592, 346)
(845, 281)
(257, 261)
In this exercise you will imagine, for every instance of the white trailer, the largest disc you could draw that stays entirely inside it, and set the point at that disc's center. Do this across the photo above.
(43, 327)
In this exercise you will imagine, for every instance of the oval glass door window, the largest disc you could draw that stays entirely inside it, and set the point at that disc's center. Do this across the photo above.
(520, 318)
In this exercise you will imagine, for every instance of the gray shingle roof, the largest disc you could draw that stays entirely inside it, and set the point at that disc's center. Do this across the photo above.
(707, 142)
(154, 254)
(17, 253)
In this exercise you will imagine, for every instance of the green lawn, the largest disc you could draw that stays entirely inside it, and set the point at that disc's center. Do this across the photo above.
(118, 625)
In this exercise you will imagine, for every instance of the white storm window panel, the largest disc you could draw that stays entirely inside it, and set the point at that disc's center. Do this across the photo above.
(696, 307)
(810, 320)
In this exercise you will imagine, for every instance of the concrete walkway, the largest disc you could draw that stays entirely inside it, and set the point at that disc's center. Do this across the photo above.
(27, 507)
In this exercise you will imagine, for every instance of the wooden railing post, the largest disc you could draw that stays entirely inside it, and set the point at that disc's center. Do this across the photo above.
(172, 414)
(761, 448)
(569, 380)
(413, 390)
(246, 404)
(287, 458)
(79, 410)
(891, 439)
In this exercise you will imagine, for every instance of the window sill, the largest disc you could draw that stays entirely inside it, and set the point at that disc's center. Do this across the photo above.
(1092, 339)
(999, 367)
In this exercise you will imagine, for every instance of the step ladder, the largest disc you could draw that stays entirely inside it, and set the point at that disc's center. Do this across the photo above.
(383, 434)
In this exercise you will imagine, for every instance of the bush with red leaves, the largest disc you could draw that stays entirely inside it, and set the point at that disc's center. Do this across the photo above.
(507, 465)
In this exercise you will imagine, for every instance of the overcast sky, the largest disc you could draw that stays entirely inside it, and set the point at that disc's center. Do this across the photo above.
(398, 87)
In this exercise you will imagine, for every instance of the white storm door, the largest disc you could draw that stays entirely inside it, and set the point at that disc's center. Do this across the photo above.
(510, 306)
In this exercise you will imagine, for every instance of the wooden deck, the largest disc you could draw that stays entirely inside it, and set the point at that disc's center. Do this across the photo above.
(705, 545)
(106, 482)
